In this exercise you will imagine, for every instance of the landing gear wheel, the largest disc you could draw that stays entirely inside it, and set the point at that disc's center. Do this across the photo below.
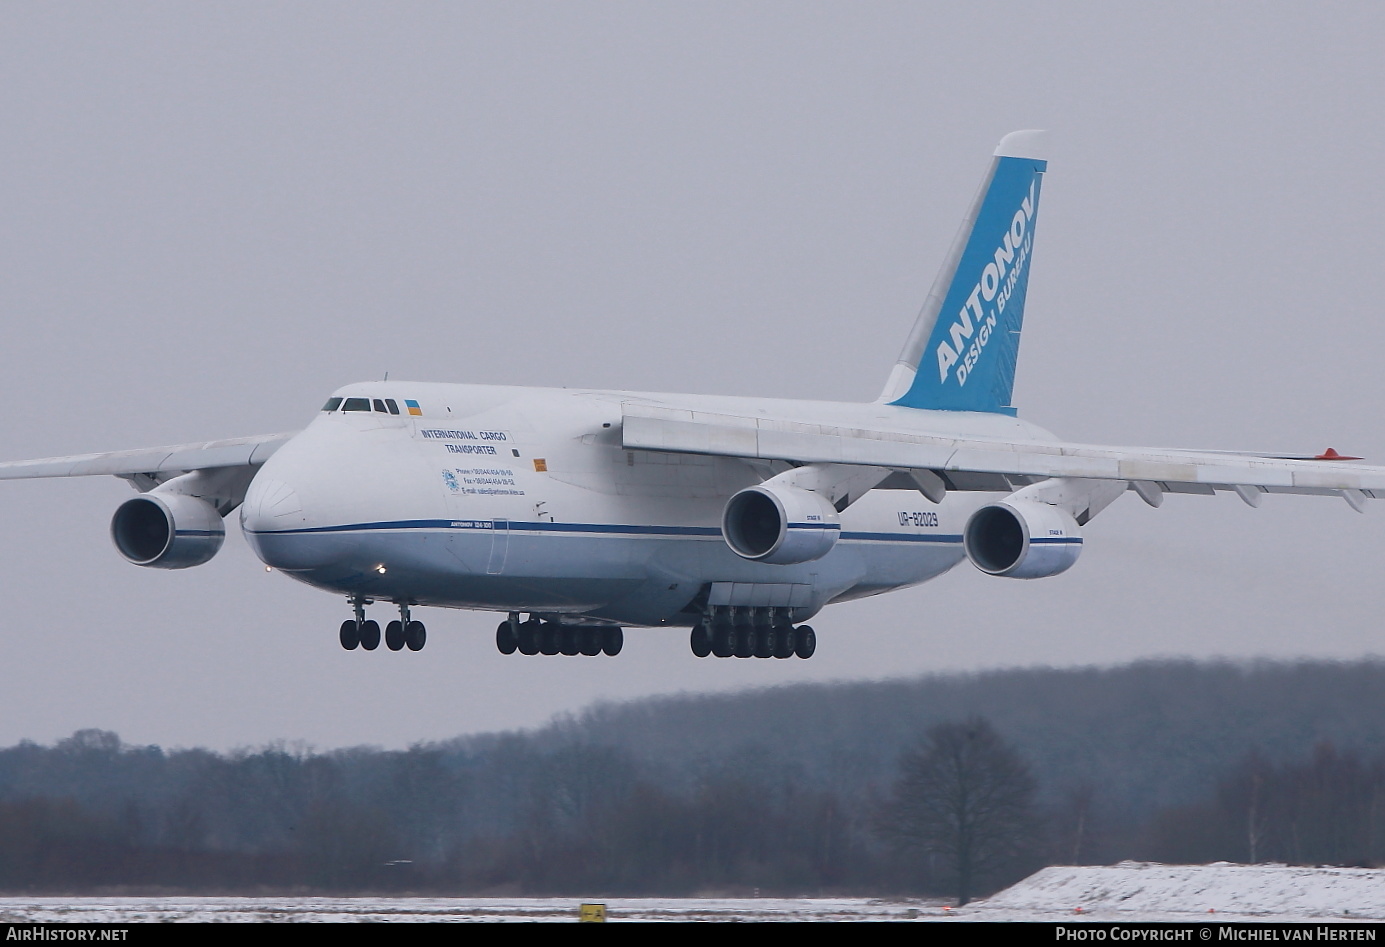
(415, 635)
(783, 640)
(506, 641)
(723, 639)
(805, 641)
(394, 635)
(764, 641)
(350, 636)
(589, 641)
(567, 640)
(549, 640)
(370, 635)
(700, 640)
(528, 635)
(612, 640)
(745, 640)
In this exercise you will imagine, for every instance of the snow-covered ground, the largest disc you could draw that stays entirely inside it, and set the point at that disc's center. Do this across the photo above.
(1184, 892)
(120, 910)
(1126, 892)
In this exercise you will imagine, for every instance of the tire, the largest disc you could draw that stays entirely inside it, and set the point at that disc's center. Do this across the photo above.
(744, 637)
(805, 641)
(567, 641)
(506, 641)
(350, 636)
(700, 640)
(549, 640)
(394, 635)
(783, 640)
(589, 641)
(370, 635)
(723, 639)
(764, 641)
(528, 636)
(415, 635)
(612, 640)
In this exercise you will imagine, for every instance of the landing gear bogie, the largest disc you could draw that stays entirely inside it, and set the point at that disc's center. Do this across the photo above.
(535, 636)
(744, 633)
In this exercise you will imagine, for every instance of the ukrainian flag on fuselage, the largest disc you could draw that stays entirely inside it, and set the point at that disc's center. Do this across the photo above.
(413, 407)
(968, 363)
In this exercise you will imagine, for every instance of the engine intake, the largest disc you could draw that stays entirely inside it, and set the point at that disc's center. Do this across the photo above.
(167, 530)
(779, 525)
(1022, 539)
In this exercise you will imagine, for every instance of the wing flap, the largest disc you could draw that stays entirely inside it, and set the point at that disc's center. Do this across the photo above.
(648, 427)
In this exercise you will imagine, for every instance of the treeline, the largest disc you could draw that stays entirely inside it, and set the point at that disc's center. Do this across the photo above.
(1327, 809)
(91, 812)
(785, 790)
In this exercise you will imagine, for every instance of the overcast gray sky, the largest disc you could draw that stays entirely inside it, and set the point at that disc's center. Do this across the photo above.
(214, 214)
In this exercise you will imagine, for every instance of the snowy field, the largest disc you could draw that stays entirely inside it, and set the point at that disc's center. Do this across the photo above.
(1126, 892)
(1226, 892)
(120, 910)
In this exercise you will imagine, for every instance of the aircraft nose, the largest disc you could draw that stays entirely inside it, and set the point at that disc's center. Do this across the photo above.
(271, 504)
(275, 526)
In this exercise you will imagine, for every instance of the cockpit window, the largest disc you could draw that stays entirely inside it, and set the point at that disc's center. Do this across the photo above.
(380, 405)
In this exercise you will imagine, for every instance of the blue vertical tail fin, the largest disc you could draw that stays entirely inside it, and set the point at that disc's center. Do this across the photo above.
(962, 352)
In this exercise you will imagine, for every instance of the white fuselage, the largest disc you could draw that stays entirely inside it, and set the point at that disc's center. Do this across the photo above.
(523, 499)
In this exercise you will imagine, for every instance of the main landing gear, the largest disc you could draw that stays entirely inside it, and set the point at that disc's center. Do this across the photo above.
(551, 637)
(359, 633)
(752, 632)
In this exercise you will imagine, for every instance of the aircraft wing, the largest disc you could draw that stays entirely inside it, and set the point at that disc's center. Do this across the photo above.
(1150, 471)
(155, 463)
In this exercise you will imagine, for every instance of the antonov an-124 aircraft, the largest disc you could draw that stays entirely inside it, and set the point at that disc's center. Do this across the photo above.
(577, 513)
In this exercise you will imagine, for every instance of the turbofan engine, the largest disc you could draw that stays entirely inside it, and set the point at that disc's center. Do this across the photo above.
(1021, 539)
(779, 525)
(167, 530)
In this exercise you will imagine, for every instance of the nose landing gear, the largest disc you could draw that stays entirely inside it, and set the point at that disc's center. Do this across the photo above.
(360, 632)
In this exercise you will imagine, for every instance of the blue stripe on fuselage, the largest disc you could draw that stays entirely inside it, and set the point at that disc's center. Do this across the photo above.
(599, 528)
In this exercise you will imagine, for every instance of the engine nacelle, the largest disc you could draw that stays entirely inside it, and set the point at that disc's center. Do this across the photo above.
(167, 530)
(779, 525)
(1022, 539)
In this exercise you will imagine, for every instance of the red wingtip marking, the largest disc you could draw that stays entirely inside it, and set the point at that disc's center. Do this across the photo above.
(1331, 454)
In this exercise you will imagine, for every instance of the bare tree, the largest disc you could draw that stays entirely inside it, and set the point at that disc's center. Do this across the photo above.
(965, 797)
